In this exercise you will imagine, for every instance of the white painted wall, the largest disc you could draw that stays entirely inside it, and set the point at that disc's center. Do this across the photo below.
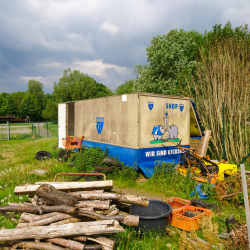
(62, 123)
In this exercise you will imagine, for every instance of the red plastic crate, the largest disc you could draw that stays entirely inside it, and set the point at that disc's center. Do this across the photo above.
(187, 223)
(177, 203)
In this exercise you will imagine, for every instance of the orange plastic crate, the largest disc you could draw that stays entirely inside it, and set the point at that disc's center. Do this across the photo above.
(186, 223)
(177, 203)
(72, 142)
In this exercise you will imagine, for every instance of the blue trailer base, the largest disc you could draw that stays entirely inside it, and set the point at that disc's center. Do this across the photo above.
(144, 158)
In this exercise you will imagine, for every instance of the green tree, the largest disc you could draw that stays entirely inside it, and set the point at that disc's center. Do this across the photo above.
(102, 90)
(3, 106)
(125, 88)
(18, 97)
(12, 107)
(30, 107)
(51, 110)
(169, 57)
(75, 85)
(36, 88)
(4, 95)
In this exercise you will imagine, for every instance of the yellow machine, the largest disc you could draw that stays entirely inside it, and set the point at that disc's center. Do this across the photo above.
(203, 169)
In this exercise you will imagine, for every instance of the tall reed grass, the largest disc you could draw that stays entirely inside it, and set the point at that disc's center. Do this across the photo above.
(223, 76)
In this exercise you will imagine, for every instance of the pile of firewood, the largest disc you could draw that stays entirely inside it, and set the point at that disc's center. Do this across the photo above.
(59, 217)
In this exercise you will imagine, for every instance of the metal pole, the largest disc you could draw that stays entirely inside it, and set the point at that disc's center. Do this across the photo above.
(32, 128)
(38, 128)
(224, 153)
(245, 193)
(8, 130)
(47, 129)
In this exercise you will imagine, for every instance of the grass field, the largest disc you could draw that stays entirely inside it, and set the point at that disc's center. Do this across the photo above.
(17, 162)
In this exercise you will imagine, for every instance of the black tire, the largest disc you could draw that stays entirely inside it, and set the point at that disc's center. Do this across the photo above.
(112, 162)
(103, 169)
(198, 203)
(212, 206)
(42, 155)
(71, 164)
(62, 156)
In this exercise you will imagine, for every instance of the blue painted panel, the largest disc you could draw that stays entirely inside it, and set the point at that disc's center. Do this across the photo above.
(144, 158)
(127, 155)
(149, 156)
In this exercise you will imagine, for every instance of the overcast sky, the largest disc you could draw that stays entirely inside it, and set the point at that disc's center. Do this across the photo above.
(101, 38)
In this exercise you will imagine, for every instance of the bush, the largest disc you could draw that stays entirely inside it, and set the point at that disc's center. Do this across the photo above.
(91, 157)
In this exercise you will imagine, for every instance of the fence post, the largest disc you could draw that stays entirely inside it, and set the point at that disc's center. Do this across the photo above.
(245, 194)
(32, 128)
(47, 129)
(8, 130)
(38, 128)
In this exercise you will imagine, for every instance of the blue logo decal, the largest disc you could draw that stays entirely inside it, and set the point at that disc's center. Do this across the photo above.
(99, 124)
(166, 114)
(181, 106)
(150, 105)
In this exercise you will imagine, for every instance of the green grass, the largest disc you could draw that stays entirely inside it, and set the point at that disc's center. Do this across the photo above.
(17, 161)
(53, 128)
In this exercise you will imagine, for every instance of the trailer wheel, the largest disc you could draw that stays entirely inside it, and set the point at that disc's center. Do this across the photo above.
(62, 156)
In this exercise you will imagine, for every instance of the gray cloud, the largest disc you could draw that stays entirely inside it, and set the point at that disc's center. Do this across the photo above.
(101, 38)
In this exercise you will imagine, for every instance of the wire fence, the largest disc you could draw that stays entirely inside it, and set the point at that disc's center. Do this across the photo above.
(10, 131)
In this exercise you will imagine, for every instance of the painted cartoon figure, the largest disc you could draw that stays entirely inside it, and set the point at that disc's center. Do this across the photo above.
(159, 130)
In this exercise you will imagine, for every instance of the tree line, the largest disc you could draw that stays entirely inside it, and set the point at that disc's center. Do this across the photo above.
(211, 68)
(37, 106)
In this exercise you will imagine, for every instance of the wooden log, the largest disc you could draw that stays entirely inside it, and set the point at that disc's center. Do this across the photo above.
(106, 244)
(92, 247)
(95, 204)
(109, 212)
(81, 238)
(66, 221)
(32, 217)
(40, 209)
(51, 196)
(71, 229)
(38, 245)
(67, 243)
(131, 199)
(129, 220)
(47, 221)
(65, 186)
(78, 193)
(25, 204)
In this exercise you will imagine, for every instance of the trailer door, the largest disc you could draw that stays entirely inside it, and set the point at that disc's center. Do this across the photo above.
(62, 123)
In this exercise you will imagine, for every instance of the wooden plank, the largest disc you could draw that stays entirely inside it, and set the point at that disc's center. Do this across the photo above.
(65, 186)
(59, 231)
(245, 194)
(206, 142)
